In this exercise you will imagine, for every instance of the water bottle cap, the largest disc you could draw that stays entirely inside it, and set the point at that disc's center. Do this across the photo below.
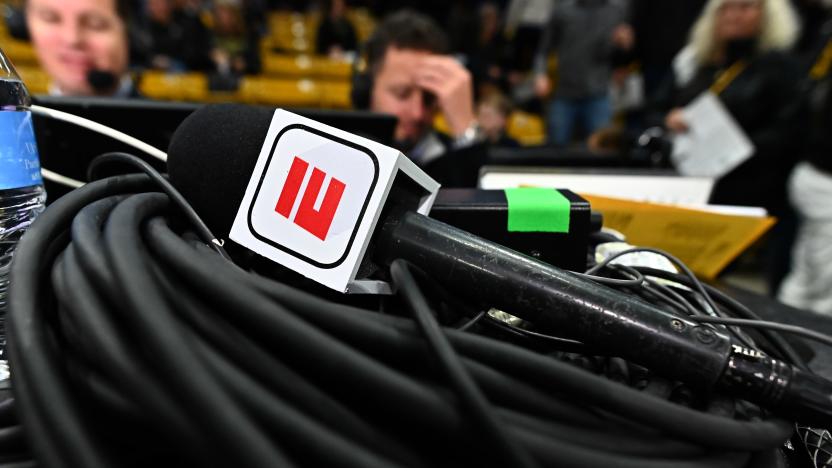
(13, 92)
(7, 70)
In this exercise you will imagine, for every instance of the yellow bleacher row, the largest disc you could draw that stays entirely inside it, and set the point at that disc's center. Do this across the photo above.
(20, 52)
(291, 33)
(295, 32)
(305, 66)
(527, 128)
(287, 80)
(253, 90)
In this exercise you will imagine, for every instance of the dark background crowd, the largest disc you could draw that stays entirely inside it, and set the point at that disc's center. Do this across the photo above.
(577, 66)
(598, 75)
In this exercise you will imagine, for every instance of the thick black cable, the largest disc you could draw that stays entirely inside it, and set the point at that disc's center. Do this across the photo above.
(224, 421)
(286, 423)
(22, 464)
(85, 271)
(504, 388)
(348, 354)
(385, 387)
(280, 293)
(401, 350)
(256, 360)
(7, 412)
(709, 430)
(477, 406)
(714, 431)
(43, 396)
(196, 222)
(114, 353)
(12, 440)
(631, 444)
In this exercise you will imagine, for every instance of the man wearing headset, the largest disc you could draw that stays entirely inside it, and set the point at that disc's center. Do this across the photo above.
(82, 45)
(409, 75)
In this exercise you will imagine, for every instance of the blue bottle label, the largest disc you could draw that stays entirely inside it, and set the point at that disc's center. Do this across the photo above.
(19, 162)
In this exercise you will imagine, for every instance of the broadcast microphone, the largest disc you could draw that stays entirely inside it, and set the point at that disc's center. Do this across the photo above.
(249, 173)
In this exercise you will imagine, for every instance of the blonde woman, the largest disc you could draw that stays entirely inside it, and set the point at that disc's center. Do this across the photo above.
(739, 50)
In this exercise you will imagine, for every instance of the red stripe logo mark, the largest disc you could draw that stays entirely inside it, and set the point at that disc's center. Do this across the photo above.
(316, 222)
(291, 187)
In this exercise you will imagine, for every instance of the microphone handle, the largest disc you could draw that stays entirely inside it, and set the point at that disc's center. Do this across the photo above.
(567, 305)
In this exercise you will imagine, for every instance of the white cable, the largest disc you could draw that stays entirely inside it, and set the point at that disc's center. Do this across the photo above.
(97, 127)
(59, 179)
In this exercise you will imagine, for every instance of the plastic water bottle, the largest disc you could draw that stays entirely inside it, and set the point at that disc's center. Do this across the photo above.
(22, 196)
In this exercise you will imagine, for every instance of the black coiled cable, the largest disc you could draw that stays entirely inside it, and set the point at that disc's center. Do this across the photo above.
(132, 343)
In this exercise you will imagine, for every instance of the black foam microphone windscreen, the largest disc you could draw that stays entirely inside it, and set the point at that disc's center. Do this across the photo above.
(212, 155)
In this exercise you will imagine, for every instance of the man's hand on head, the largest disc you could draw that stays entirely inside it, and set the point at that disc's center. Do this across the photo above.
(450, 82)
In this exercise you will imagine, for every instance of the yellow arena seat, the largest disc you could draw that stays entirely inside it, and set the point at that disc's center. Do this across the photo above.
(305, 66)
(440, 124)
(336, 95)
(35, 79)
(280, 92)
(20, 52)
(284, 65)
(526, 128)
(293, 32)
(362, 21)
(339, 70)
(221, 97)
(194, 86)
(176, 87)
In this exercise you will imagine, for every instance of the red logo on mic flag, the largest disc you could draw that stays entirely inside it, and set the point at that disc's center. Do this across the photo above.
(297, 210)
(316, 222)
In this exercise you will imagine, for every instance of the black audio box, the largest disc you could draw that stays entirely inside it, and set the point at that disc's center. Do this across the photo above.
(551, 226)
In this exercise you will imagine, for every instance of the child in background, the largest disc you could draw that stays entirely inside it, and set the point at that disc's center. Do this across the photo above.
(492, 115)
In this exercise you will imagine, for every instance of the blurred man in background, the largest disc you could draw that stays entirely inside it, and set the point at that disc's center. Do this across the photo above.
(82, 45)
(412, 78)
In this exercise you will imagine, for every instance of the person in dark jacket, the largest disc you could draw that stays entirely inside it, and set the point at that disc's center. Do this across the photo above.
(489, 59)
(171, 41)
(810, 193)
(661, 30)
(587, 35)
(738, 51)
(336, 34)
(234, 49)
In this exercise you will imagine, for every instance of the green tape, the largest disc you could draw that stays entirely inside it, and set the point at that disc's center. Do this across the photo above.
(537, 210)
